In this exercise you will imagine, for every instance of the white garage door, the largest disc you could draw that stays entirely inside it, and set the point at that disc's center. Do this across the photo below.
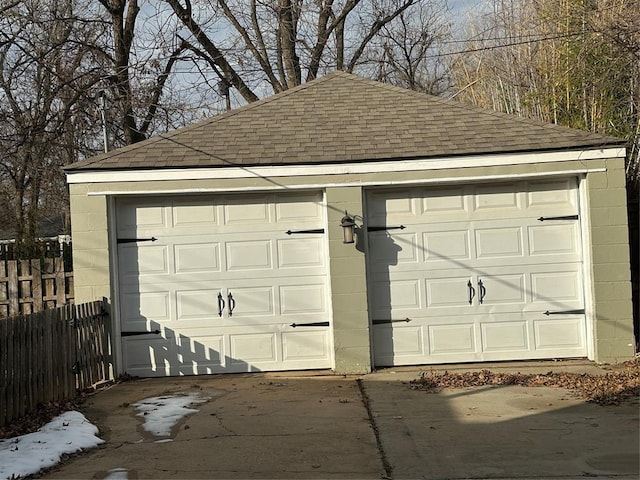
(476, 273)
(212, 284)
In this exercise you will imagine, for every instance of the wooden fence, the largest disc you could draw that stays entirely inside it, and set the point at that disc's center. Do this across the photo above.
(47, 356)
(28, 286)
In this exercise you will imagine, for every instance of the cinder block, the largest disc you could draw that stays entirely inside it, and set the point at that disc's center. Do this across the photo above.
(597, 180)
(622, 290)
(616, 178)
(618, 216)
(599, 217)
(612, 311)
(612, 351)
(352, 361)
(350, 338)
(349, 303)
(345, 196)
(82, 294)
(84, 204)
(90, 240)
(349, 284)
(347, 265)
(615, 272)
(604, 291)
(610, 197)
(611, 254)
(610, 235)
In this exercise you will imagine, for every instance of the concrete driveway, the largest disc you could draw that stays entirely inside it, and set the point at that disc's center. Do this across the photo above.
(375, 426)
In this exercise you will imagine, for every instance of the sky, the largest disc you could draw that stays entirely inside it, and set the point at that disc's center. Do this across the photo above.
(71, 432)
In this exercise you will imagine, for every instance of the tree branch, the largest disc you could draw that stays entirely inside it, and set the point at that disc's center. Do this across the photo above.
(216, 55)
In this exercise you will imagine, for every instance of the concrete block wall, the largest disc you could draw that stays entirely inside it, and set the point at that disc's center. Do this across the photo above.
(90, 245)
(613, 328)
(348, 285)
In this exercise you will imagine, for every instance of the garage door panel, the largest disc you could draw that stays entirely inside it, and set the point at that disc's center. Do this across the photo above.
(559, 333)
(503, 289)
(393, 205)
(399, 295)
(441, 202)
(557, 289)
(195, 214)
(248, 255)
(397, 342)
(299, 209)
(234, 246)
(136, 218)
(446, 246)
(197, 257)
(518, 268)
(252, 302)
(552, 194)
(300, 253)
(305, 345)
(503, 197)
(143, 259)
(499, 242)
(256, 214)
(388, 250)
(196, 304)
(248, 348)
(452, 339)
(204, 355)
(448, 292)
(303, 299)
(139, 307)
(148, 357)
(507, 336)
(554, 239)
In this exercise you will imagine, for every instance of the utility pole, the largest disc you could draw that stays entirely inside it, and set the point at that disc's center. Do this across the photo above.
(103, 116)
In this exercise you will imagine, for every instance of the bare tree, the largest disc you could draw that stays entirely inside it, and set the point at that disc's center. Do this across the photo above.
(47, 68)
(139, 73)
(282, 43)
(408, 50)
(574, 63)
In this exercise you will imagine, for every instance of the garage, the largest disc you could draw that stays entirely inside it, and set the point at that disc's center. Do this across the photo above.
(345, 225)
(476, 273)
(220, 284)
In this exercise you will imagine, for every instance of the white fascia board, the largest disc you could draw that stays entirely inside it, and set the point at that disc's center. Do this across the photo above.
(220, 173)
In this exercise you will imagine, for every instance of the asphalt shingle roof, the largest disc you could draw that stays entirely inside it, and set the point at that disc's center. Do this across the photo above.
(343, 118)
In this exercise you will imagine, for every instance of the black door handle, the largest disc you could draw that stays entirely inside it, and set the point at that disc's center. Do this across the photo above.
(231, 302)
(472, 292)
(483, 291)
(220, 304)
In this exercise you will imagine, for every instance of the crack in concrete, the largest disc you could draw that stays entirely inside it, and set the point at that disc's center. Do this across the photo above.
(388, 468)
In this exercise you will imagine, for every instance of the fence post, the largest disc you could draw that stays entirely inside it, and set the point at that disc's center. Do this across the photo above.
(36, 284)
(14, 295)
(61, 298)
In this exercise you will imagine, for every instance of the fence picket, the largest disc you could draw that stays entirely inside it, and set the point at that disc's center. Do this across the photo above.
(28, 286)
(38, 351)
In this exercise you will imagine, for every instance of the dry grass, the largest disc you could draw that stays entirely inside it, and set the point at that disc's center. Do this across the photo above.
(620, 384)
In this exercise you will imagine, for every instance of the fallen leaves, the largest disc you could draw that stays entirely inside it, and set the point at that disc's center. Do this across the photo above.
(610, 388)
(41, 415)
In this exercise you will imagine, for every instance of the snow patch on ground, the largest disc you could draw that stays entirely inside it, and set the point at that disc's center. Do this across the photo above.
(117, 474)
(72, 432)
(162, 413)
(65, 434)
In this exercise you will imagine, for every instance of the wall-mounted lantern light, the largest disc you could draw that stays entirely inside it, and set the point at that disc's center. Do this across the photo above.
(348, 225)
